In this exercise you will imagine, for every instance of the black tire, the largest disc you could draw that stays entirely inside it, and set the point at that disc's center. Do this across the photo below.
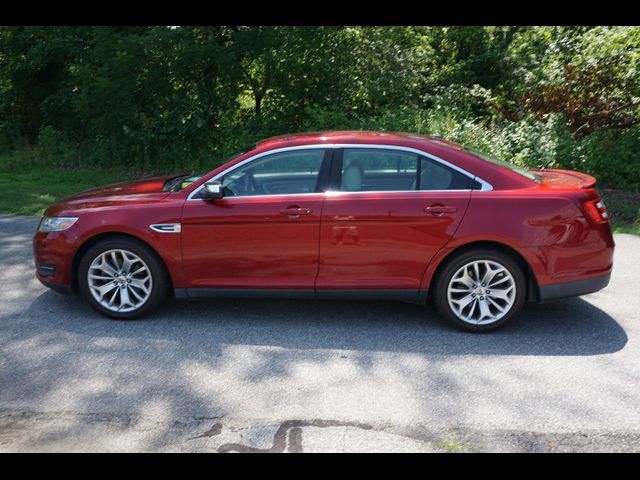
(441, 283)
(160, 282)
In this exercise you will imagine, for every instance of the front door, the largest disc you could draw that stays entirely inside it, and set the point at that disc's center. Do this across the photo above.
(391, 211)
(264, 233)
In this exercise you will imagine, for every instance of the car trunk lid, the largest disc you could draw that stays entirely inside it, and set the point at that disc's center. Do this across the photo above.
(565, 178)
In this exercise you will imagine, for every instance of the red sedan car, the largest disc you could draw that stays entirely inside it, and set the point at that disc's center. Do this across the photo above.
(368, 215)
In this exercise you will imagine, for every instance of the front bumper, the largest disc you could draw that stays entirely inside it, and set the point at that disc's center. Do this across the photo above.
(574, 288)
(53, 254)
(65, 289)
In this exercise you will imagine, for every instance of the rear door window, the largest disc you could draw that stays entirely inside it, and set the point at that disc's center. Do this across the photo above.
(387, 170)
(377, 170)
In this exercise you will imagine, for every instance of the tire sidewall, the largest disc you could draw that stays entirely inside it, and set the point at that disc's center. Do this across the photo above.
(441, 301)
(158, 275)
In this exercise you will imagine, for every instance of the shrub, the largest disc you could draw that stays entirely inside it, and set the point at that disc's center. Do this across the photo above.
(55, 149)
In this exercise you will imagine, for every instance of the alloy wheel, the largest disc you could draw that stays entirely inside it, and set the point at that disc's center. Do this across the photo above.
(481, 292)
(120, 280)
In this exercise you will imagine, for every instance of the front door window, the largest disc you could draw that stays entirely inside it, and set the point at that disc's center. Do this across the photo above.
(285, 173)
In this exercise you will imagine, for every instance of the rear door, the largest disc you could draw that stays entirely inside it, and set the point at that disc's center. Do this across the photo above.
(388, 214)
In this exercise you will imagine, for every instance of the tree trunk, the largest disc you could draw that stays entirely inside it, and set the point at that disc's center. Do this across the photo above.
(258, 98)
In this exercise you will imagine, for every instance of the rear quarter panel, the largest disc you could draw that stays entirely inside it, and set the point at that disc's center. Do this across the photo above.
(546, 226)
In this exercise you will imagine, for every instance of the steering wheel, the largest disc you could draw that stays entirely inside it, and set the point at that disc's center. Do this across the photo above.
(245, 185)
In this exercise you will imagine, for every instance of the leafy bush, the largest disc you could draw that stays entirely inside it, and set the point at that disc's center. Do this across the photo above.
(54, 148)
(164, 99)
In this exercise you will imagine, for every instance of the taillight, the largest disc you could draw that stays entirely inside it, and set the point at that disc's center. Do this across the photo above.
(596, 210)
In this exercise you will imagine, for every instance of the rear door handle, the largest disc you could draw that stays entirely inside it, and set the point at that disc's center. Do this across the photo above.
(440, 209)
(295, 211)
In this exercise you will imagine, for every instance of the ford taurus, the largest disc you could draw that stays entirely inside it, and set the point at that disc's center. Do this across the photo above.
(366, 215)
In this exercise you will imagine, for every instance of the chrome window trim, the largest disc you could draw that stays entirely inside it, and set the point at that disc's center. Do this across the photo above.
(268, 195)
(485, 186)
(359, 192)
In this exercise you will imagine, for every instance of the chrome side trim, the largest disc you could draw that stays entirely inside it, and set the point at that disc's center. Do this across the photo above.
(166, 227)
(485, 186)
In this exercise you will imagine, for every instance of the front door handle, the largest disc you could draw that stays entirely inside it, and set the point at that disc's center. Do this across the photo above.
(438, 209)
(295, 211)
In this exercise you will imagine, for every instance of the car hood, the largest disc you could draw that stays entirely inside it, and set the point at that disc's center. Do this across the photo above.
(139, 191)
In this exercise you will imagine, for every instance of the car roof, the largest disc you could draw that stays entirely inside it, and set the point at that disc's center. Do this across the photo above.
(353, 136)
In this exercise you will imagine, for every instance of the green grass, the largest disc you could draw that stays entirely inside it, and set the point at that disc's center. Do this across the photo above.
(29, 185)
(624, 209)
(28, 190)
(31, 192)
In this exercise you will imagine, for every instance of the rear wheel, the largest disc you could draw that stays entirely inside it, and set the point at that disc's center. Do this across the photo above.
(480, 290)
(122, 279)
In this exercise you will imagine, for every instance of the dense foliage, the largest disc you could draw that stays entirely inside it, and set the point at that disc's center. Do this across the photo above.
(182, 98)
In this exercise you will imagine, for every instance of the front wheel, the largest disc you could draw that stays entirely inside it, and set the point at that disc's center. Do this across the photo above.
(480, 290)
(122, 279)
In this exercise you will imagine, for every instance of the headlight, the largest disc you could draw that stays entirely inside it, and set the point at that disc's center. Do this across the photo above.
(56, 224)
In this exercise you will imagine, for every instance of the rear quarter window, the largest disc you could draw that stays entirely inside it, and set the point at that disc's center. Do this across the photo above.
(437, 176)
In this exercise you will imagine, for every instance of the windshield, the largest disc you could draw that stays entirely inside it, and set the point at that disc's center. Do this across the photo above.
(502, 163)
(183, 181)
(176, 184)
(189, 180)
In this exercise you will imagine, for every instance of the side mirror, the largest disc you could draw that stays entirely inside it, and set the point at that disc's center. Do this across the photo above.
(213, 190)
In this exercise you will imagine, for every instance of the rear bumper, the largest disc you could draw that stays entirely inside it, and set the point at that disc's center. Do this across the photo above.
(573, 289)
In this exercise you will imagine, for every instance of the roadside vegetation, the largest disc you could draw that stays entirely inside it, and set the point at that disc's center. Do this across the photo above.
(29, 191)
(85, 106)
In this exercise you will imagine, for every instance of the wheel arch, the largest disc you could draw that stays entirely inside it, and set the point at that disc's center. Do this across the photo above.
(93, 240)
(533, 290)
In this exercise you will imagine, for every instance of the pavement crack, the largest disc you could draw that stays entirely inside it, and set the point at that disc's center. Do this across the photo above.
(216, 429)
(293, 430)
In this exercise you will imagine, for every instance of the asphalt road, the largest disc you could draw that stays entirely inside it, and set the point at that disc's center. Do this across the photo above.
(245, 375)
